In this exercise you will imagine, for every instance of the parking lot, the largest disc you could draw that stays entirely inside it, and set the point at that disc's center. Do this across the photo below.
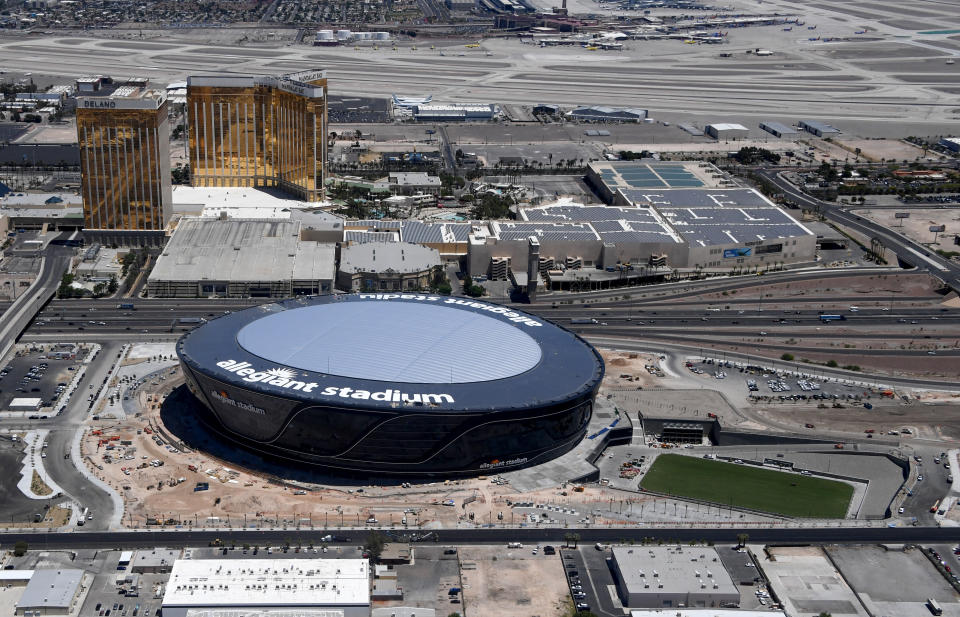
(766, 384)
(36, 375)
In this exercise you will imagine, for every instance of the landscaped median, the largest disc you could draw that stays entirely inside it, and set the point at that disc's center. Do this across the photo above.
(746, 486)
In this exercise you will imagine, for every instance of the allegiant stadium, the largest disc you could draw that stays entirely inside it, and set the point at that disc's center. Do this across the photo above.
(398, 384)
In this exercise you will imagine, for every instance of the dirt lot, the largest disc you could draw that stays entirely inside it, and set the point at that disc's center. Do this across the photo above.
(936, 422)
(884, 285)
(513, 582)
(630, 370)
(887, 149)
(262, 495)
(917, 227)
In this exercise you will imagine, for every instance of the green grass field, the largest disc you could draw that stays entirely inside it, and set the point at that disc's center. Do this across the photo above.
(747, 486)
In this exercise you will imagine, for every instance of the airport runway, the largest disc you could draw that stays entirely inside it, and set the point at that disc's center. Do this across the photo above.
(899, 89)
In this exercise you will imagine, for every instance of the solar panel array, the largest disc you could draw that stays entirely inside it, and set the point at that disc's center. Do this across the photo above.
(712, 226)
(692, 198)
(613, 224)
(370, 236)
(648, 175)
(419, 232)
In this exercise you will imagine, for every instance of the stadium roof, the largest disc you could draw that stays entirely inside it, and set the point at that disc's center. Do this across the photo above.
(472, 349)
(267, 582)
(383, 341)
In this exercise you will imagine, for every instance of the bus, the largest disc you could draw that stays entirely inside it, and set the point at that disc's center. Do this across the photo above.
(934, 607)
(935, 506)
(584, 321)
(826, 318)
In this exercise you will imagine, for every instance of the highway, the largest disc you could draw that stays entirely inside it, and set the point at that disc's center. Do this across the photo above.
(907, 250)
(16, 317)
(778, 535)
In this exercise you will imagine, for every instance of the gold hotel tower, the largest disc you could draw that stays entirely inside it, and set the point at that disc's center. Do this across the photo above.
(124, 138)
(259, 131)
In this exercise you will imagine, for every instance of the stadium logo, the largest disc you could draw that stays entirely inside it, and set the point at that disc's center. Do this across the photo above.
(497, 463)
(280, 377)
(223, 397)
(283, 378)
(490, 308)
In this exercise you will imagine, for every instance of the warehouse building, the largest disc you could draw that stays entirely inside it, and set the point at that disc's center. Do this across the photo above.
(607, 114)
(52, 592)
(820, 129)
(779, 130)
(672, 577)
(239, 258)
(727, 131)
(386, 266)
(951, 143)
(456, 112)
(154, 561)
(254, 586)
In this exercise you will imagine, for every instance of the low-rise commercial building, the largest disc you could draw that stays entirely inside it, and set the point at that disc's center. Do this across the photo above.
(265, 586)
(672, 577)
(51, 592)
(779, 130)
(820, 129)
(727, 131)
(154, 561)
(237, 258)
(386, 266)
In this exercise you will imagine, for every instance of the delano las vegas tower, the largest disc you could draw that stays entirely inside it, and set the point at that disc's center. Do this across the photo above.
(259, 131)
(124, 139)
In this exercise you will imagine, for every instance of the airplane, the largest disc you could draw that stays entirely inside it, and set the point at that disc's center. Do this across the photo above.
(689, 41)
(788, 29)
(472, 45)
(811, 27)
(814, 38)
(860, 32)
(591, 48)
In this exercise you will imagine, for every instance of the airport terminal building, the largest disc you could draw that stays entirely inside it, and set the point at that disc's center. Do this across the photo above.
(393, 383)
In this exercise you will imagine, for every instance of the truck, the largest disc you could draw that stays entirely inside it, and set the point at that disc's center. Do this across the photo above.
(83, 517)
(826, 318)
(127, 306)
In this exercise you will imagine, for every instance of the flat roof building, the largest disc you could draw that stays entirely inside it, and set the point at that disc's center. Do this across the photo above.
(727, 131)
(672, 577)
(820, 129)
(253, 586)
(606, 177)
(236, 258)
(601, 113)
(951, 143)
(154, 561)
(51, 592)
(124, 138)
(386, 266)
(779, 130)
(248, 131)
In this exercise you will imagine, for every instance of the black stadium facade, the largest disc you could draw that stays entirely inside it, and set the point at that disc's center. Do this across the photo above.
(393, 383)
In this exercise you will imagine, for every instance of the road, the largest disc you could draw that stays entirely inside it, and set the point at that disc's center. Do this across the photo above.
(907, 250)
(182, 538)
(56, 258)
